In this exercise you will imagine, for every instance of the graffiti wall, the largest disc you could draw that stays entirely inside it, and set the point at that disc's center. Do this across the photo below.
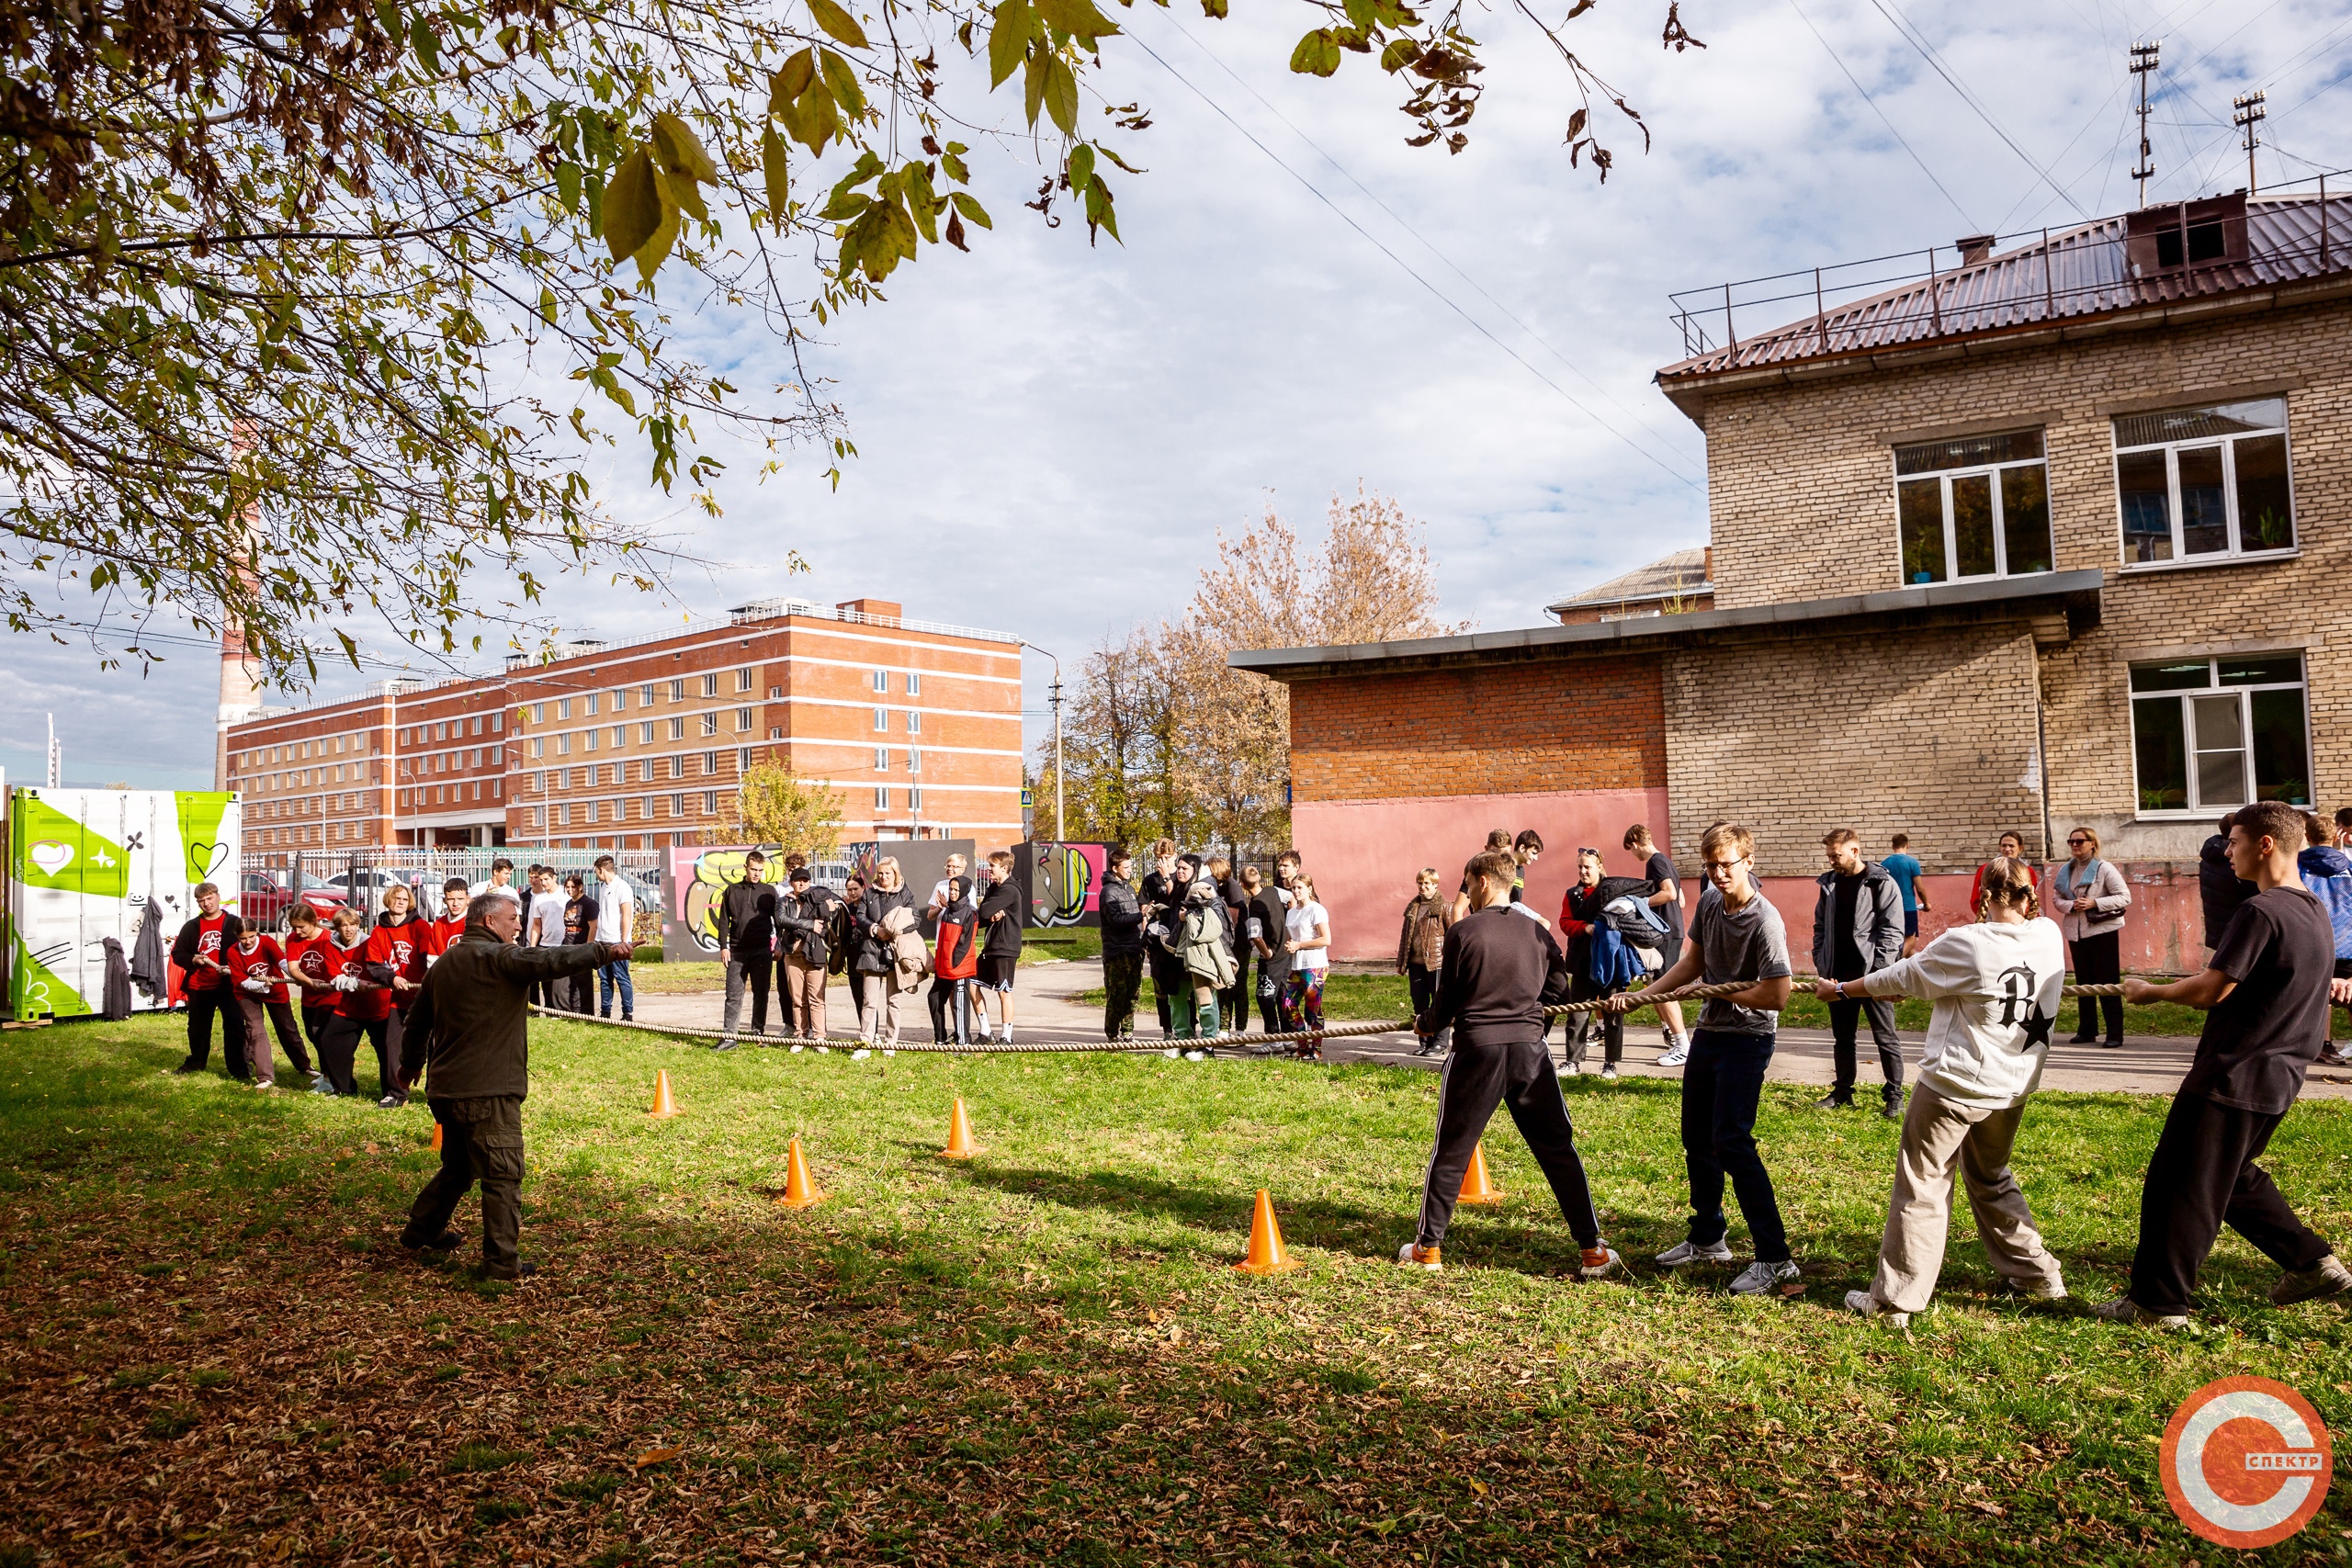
(1064, 882)
(85, 865)
(698, 874)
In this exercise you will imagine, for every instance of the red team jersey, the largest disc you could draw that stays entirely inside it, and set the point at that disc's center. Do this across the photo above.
(314, 956)
(261, 964)
(207, 945)
(445, 935)
(402, 948)
(367, 1005)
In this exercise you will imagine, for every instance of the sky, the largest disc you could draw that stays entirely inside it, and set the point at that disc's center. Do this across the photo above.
(1051, 435)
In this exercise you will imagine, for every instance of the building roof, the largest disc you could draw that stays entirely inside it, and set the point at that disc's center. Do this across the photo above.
(1683, 573)
(2099, 269)
(2073, 594)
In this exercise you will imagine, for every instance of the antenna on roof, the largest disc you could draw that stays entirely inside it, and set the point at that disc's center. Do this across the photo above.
(2247, 114)
(2143, 65)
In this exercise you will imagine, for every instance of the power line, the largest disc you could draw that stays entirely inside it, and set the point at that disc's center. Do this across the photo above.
(1403, 224)
(1439, 294)
(1865, 92)
(1928, 52)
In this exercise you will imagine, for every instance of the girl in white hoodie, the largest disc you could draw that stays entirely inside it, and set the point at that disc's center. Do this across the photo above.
(1996, 986)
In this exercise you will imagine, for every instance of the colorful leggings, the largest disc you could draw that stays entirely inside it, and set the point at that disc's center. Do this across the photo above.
(1302, 1000)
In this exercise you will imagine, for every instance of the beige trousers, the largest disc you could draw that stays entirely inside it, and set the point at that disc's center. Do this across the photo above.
(880, 1024)
(804, 998)
(1942, 1139)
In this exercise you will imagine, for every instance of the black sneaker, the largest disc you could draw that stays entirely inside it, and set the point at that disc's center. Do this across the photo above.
(523, 1270)
(448, 1241)
(1891, 1109)
(392, 1102)
(724, 1046)
(189, 1066)
(1834, 1102)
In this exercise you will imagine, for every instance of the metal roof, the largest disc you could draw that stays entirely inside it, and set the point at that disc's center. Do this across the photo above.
(1684, 571)
(2071, 275)
(2076, 592)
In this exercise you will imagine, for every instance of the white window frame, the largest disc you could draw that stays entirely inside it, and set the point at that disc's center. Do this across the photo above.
(880, 679)
(1993, 472)
(881, 759)
(711, 722)
(2199, 810)
(710, 685)
(882, 798)
(914, 722)
(2233, 550)
(914, 682)
(743, 680)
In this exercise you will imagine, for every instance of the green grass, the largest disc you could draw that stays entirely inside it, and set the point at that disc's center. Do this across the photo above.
(1350, 998)
(1043, 1354)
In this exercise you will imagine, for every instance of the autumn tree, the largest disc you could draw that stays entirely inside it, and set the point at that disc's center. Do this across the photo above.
(312, 309)
(775, 810)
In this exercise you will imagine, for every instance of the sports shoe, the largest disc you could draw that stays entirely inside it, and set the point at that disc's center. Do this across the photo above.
(1676, 1054)
(448, 1241)
(1196, 1056)
(189, 1068)
(523, 1270)
(2332, 1055)
(1572, 1069)
(1891, 1108)
(1172, 1052)
(2124, 1309)
(2035, 1290)
(860, 1054)
(728, 1045)
(1599, 1262)
(797, 1049)
(265, 1083)
(1870, 1305)
(2325, 1278)
(392, 1102)
(1760, 1277)
(319, 1084)
(1684, 1252)
(1833, 1101)
(1608, 1070)
(1413, 1255)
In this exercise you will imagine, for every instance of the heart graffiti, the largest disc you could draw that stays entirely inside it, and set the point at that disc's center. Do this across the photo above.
(204, 857)
(50, 855)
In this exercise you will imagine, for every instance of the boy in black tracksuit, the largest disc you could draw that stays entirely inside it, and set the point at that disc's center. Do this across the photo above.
(1498, 974)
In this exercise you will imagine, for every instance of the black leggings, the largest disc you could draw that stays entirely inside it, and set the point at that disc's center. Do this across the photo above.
(2099, 960)
(339, 1048)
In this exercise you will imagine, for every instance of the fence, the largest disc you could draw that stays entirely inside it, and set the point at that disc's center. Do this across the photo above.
(358, 877)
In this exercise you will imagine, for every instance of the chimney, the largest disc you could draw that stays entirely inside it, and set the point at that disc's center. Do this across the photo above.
(239, 694)
(1975, 248)
(1708, 571)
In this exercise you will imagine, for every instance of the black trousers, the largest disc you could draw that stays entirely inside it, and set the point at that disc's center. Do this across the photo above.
(2203, 1177)
(201, 1006)
(1844, 1018)
(951, 1011)
(1584, 989)
(1233, 1001)
(339, 1048)
(1270, 997)
(1476, 1079)
(1720, 1088)
(314, 1026)
(2099, 960)
(481, 1140)
(1122, 983)
(1168, 978)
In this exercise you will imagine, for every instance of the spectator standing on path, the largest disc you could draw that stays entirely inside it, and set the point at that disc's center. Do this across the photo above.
(2012, 847)
(2220, 889)
(1261, 927)
(1666, 897)
(847, 940)
(1306, 942)
(1233, 1002)
(196, 951)
(1499, 842)
(747, 931)
(1420, 949)
(1580, 910)
(955, 964)
(878, 954)
(1206, 947)
(2327, 872)
(806, 925)
(1498, 974)
(2265, 996)
(1525, 850)
(472, 1025)
(1996, 986)
(2086, 896)
(1736, 937)
(943, 892)
(579, 992)
(1000, 911)
(1857, 930)
(1904, 867)
(615, 928)
(1122, 916)
(1162, 898)
(544, 927)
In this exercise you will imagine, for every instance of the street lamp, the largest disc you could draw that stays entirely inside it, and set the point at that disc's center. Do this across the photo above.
(1058, 738)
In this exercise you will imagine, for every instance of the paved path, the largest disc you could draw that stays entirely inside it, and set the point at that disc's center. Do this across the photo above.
(1043, 1010)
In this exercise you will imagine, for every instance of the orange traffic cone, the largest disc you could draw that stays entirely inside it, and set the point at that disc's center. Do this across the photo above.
(799, 1191)
(960, 1144)
(663, 1104)
(1478, 1187)
(436, 1135)
(1266, 1253)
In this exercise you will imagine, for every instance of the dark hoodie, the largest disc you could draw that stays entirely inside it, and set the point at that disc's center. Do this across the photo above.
(2219, 887)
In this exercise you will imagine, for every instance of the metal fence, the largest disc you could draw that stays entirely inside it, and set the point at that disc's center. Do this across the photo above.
(359, 877)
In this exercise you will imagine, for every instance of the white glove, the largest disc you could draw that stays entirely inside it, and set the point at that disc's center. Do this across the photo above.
(257, 987)
(346, 982)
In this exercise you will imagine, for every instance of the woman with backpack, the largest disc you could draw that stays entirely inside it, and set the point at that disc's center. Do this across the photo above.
(2086, 896)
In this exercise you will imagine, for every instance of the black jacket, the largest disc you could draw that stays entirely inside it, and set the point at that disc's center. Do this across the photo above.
(1121, 917)
(183, 944)
(1003, 939)
(872, 956)
(1878, 922)
(747, 921)
(1163, 902)
(1500, 973)
(805, 925)
(474, 1011)
(2219, 888)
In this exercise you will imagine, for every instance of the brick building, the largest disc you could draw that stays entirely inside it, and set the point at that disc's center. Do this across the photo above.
(2047, 538)
(640, 745)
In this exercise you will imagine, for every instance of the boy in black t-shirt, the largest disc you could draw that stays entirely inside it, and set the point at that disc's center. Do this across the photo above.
(1665, 899)
(2266, 992)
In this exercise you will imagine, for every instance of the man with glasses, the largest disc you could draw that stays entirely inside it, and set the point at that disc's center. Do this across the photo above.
(1735, 936)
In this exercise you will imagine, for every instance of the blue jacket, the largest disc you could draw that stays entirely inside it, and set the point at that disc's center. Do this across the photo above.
(2328, 873)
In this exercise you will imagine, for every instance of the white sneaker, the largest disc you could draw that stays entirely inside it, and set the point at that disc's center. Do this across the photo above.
(1676, 1054)
(889, 1053)
(1610, 1264)
(1572, 1069)
(1609, 1071)
(1685, 1252)
(1760, 1277)
(795, 1050)
(860, 1054)
(1413, 1255)
(1196, 1056)
(1172, 1053)
(1870, 1305)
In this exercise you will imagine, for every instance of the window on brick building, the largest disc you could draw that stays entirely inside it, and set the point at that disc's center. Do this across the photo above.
(1974, 507)
(677, 805)
(563, 744)
(776, 693)
(742, 679)
(881, 759)
(677, 690)
(914, 684)
(710, 723)
(775, 732)
(677, 729)
(880, 679)
(914, 800)
(710, 764)
(2204, 481)
(914, 760)
(710, 685)
(563, 708)
(744, 720)
(742, 759)
(914, 723)
(590, 701)
(645, 733)
(710, 803)
(881, 718)
(882, 798)
(2209, 734)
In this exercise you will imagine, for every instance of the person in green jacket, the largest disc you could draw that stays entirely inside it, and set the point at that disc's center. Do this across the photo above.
(473, 1017)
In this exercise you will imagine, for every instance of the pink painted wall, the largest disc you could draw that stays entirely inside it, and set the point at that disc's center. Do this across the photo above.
(2163, 933)
(1363, 853)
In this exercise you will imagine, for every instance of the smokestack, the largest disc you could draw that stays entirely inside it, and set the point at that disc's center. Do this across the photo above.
(240, 695)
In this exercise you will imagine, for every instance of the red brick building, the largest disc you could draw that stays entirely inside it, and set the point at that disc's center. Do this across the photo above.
(640, 745)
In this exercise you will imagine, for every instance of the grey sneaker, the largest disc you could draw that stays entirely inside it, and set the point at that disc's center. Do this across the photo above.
(1760, 1277)
(724, 1046)
(1676, 1054)
(1609, 1071)
(2036, 1290)
(1683, 1252)
(2124, 1309)
(2325, 1278)
(1870, 1305)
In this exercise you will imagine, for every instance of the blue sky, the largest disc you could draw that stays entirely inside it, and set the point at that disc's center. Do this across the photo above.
(1050, 435)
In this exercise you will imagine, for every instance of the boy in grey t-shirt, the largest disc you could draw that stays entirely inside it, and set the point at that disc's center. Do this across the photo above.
(1735, 935)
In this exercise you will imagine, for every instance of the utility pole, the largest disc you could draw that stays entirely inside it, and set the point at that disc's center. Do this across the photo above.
(56, 758)
(2247, 114)
(1057, 690)
(2143, 65)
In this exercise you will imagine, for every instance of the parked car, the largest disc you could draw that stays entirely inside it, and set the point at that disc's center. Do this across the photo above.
(263, 900)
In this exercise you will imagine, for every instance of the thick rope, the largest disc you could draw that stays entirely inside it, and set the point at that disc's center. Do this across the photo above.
(1200, 1043)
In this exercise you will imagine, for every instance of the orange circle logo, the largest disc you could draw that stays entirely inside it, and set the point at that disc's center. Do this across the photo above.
(2246, 1461)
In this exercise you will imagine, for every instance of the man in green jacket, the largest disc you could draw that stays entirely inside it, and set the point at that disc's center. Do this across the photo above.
(473, 1015)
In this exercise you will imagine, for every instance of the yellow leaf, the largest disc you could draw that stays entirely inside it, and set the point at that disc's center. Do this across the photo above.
(680, 151)
(632, 205)
(656, 250)
(772, 163)
(680, 191)
(652, 1456)
(1479, 1488)
(838, 25)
